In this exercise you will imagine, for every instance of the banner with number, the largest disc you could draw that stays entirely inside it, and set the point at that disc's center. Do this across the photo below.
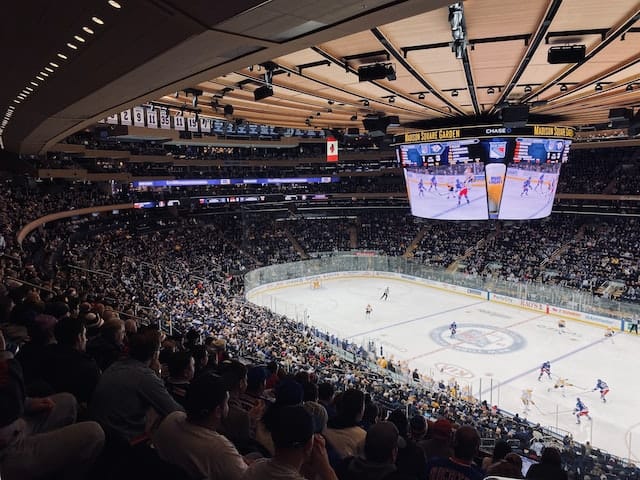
(152, 118)
(192, 124)
(138, 116)
(178, 123)
(113, 119)
(165, 120)
(125, 117)
(205, 125)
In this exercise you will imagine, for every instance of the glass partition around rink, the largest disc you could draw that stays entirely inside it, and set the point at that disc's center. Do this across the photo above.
(572, 299)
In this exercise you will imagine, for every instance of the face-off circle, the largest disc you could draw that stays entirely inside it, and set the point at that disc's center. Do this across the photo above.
(479, 338)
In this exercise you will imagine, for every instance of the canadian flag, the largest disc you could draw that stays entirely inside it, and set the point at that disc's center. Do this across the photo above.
(332, 149)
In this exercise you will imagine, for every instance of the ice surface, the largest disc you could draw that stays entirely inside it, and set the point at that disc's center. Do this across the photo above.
(413, 325)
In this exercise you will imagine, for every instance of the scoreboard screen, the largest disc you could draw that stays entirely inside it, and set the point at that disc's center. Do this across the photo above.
(511, 176)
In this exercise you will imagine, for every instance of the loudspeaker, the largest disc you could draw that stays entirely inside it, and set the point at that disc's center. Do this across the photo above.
(394, 120)
(228, 109)
(515, 116)
(566, 54)
(353, 131)
(620, 114)
(376, 127)
(263, 92)
(377, 71)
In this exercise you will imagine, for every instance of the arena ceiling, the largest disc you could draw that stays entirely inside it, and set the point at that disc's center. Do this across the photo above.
(160, 50)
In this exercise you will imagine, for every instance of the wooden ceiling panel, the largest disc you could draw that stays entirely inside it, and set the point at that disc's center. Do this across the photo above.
(493, 63)
(431, 27)
(491, 18)
(588, 14)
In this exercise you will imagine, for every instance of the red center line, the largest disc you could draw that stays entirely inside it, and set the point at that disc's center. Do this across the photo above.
(461, 342)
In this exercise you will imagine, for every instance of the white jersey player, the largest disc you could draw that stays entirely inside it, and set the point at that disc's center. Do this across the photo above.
(526, 398)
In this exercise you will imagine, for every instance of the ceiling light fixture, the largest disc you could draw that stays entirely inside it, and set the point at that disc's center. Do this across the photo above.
(79, 38)
(630, 87)
(392, 99)
(114, 4)
(598, 87)
(97, 20)
(365, 103)
(421, 96)
(50, 70)
(15, 100)
(527, 89)
(88, 30)
(34, 84)
(40, 78)
(454, 93)
(29, 88)
(490, 91)
(563, 88)
(62, 56)
(44, 74)
(54, 65)
(72, 46)
(22, 96)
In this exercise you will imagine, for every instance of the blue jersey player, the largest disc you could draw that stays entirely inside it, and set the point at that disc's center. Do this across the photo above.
(545, 368)
(421, 188)
(434, 183)
(540, 182)
(453, 328)
(604, 389)
(525, 187)
(581, 410)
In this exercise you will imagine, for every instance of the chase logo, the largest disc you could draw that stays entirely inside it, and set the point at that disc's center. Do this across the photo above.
(478, 338)
(494, 131)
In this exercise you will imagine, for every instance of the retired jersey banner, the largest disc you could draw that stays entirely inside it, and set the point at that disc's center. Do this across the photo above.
(192, 124)
(165, 120)
(125, 117)
(332, 149)
(152, 118)
(113, 119)
(178, 123)
(138, 116)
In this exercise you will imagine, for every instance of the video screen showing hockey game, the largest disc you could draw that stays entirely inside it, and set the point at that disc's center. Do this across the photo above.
(452, 192)
(510, 178)
(532, 178)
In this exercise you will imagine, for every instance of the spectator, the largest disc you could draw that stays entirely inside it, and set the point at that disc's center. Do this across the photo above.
(295, 444)
(129, 387)
(344, 434)
(549, 468)
(460, 465)
(47, 441)
(500, 450)
(410, 460)
(67, 366)
(191, 441)
(326, 395)
(510, 466)
(438, 442)
(181, 372)
(378, 461)
(108, 346)
(236, 426)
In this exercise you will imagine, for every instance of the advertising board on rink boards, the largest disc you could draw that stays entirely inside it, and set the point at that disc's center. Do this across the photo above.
(519, 302)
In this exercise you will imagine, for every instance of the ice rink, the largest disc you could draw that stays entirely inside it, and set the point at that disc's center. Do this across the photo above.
(497, 350)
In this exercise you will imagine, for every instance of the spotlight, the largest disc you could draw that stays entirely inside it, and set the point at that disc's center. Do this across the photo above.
(527, 89)
(354, 118)
(454, 93)
(263, 92)
(490, 91)
(365, 103)
(563, 88)
(421, 96)
(598, 87)
(330, 102)
(392, 99)
(630, 87)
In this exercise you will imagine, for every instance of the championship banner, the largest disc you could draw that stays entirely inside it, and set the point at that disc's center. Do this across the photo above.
(138, 116)
(178, 123)
(192, 124)
(165, 120)
(152, 118)
(332, 149)
(125, 117)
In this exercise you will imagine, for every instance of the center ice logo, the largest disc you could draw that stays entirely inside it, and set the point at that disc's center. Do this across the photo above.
(478, 338)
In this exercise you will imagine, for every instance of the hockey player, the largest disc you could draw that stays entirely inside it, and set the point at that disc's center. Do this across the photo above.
(545, 368)
(526, 399)
(561, 325)
(453, 328)
(609, 333)
(604, 389)
(385, 294)
(367, 311)
(581, 410)
(540, 183)
(525, 187)
(464, 192)
(560, 384)
(458, 185)
(434, 183)
(421, 188)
